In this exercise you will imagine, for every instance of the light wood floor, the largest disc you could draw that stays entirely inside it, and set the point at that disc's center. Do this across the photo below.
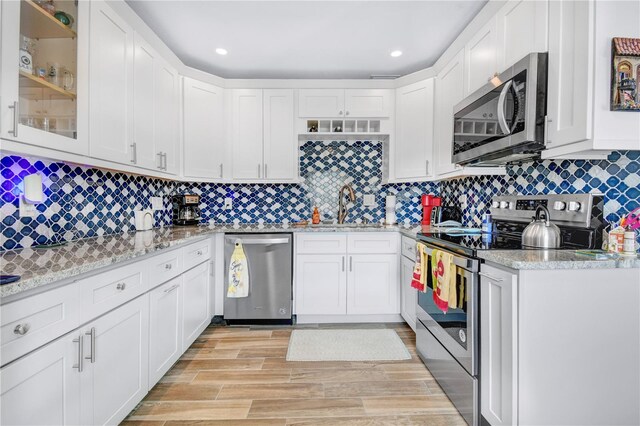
(239, 376)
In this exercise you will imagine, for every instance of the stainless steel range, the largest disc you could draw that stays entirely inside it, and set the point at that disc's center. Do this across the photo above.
(448, 343)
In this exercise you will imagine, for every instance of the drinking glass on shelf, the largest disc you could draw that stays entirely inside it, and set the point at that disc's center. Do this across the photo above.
(54, 73)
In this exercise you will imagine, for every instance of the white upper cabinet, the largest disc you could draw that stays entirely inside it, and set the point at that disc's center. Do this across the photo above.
(110, 86)
(264, 146)
(320, 103)
(155, 110)
(481, 57)
(143, 104)
(449, 91)
(49, 113)
(522, 29)
(166, 113)
(327, 103)
(280, 155)
(246, 136)
(413, 144)
(368, 102)
(580, 123)
(203, 130)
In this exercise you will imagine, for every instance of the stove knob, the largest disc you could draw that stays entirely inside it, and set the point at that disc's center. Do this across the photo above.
(574, 206)
(559, 205)
(504, 204)
(495, 205)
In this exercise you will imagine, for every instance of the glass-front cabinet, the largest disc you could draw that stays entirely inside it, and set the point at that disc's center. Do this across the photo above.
(42, 55)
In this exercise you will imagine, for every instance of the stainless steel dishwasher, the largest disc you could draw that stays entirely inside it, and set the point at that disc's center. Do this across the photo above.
(270, 263)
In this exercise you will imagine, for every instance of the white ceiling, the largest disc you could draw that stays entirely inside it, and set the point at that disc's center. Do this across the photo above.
(307, 39)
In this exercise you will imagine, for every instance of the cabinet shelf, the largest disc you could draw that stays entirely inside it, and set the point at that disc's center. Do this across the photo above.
(30, 80)
(36, 23)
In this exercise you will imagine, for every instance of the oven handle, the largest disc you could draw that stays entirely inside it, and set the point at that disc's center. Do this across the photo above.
(466, 263)
(502, 121)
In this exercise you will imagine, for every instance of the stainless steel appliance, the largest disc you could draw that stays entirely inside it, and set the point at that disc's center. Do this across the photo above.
(269, 258)
(504, 121)
(185, 209)
(441, 214)
(449, 343)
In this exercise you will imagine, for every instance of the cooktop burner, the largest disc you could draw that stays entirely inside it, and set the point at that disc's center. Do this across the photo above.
(470, 244)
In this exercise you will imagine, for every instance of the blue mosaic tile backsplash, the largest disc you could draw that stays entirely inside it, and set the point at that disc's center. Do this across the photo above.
(85, 202)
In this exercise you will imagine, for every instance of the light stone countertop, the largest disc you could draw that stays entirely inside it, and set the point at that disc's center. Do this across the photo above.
(555, 259)
(41, 267)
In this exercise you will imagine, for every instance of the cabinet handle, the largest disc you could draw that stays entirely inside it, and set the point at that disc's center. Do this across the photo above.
(199, 252)
(340, 112)
(265, 170)
(164, 156)
(21, 329)
(221, 169)
(491, 277)
(159, 155)
(167, 266)
(14, 107)
(346, 113)
(78, 365)
(426, 166)
(92, 356)
(134, 154)
(342, 263)
(259, 175)
(350, 263)
(173, 287)
(121, 286)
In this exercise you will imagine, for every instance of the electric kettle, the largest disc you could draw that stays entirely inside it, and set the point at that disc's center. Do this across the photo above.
(541, 233)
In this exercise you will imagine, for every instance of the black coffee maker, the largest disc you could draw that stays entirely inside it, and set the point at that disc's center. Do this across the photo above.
(185, 209)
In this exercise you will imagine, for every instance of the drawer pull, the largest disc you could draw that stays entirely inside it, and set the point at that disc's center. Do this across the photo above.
(121, 286)
(21, 329)
(173, 287)
(168, 266)
(199, 252)
(491, 277)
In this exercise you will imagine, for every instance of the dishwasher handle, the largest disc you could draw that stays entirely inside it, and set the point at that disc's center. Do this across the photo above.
(261, 241)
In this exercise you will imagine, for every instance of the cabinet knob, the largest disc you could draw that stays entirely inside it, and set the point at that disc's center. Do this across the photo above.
(199, 252)
(346, 113)
(121, 286)
(340, 112)
(168, 266)
(21, 329)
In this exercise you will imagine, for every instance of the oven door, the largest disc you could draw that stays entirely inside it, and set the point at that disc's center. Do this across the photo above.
(457, 329)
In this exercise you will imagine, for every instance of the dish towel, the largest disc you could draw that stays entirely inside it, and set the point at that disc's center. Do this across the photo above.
(443, 271)
(419, 280)
(238, 273)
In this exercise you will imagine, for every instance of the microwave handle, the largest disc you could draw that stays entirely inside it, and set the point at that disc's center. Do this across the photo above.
(502, 121)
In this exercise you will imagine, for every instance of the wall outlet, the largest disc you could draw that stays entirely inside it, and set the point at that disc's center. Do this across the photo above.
(369, 200)
(156, 203)
(26, 209)
(228, 203)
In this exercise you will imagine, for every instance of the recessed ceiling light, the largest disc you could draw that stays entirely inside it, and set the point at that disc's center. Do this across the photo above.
(221, 51)
(396, 53)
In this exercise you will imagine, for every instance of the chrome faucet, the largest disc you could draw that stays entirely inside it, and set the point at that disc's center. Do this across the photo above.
(342, 208)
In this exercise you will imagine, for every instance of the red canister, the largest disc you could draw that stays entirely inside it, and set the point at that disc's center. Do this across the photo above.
(428, 203)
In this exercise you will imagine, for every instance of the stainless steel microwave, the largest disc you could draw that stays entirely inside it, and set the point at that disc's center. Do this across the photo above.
(504, 121)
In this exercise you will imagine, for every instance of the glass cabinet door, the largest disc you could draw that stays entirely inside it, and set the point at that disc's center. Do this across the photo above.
(40, 72)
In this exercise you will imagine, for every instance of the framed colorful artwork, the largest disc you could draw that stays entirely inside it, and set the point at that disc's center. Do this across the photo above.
(625, 74)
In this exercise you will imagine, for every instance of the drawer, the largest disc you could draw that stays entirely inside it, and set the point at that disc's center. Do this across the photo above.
(321, 243)
(164, 267)
(108, 290)
(408, 247)
(372, 243)
(196, 253)
(34, 321)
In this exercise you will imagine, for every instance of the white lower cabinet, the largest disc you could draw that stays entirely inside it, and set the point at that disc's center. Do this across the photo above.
(43, 388)
(346, 283)
(498, 322)
(321, 284)
(195, 303)
(372, 284)
(115, 374)
(165, 328)
(409, 295)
